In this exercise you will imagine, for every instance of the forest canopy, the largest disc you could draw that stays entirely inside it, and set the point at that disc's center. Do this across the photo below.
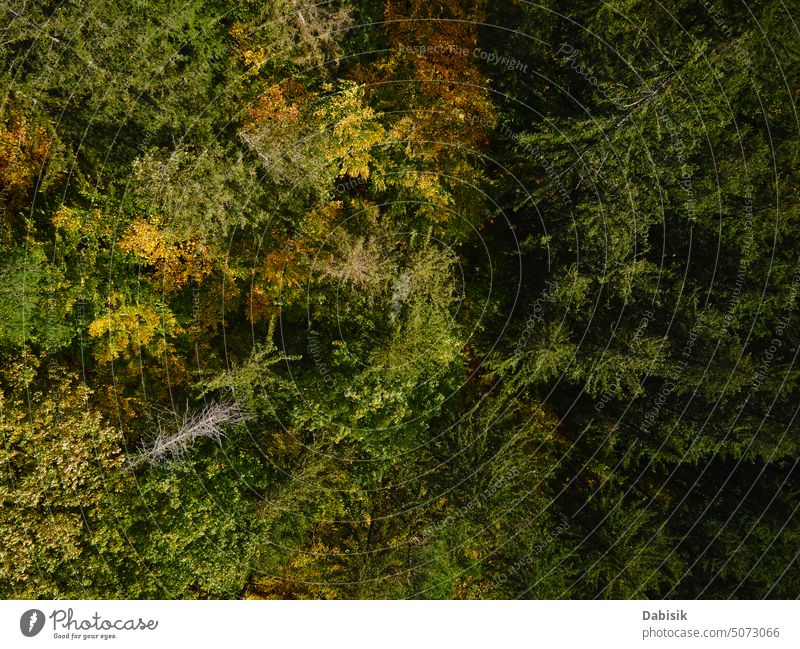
(399, 299)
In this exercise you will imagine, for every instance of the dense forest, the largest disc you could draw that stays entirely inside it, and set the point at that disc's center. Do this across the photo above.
(399, 299)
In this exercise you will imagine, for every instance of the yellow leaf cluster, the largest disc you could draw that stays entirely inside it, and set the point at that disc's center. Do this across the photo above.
(253, 58)
(176, 262)
(23, 152)
(355, 131)
(127, 329)
(76, 221)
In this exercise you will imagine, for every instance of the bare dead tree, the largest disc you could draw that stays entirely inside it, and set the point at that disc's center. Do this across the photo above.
(358, 261)
(318, 25)
(175, 442)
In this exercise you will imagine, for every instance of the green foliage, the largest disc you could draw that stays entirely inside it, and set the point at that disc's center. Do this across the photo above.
(36, 301)
(59, 462)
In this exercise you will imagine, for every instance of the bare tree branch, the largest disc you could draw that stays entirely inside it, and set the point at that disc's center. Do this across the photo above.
(205, 424)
